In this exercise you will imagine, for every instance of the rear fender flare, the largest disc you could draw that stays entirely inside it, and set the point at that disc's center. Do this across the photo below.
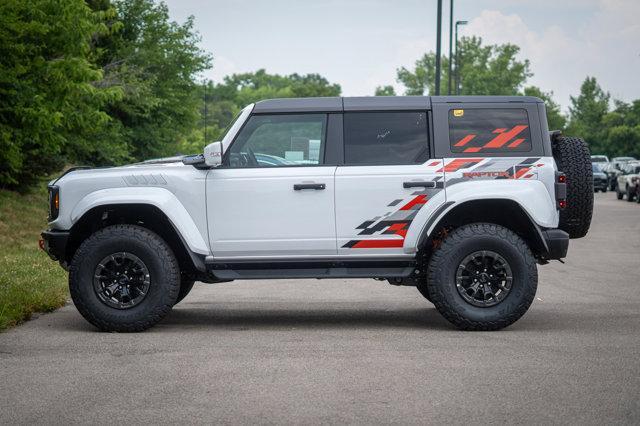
(531, 195)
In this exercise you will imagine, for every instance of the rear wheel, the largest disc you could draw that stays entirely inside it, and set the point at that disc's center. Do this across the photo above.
(482, 277)
(574, 160)
(619, 194)
(424, 291)
(124, 278)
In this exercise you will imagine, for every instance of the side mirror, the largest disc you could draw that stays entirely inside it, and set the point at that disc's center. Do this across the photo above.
(213, 154)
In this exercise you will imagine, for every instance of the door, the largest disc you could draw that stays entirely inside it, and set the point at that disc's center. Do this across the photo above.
(274, 195)
(386, 179)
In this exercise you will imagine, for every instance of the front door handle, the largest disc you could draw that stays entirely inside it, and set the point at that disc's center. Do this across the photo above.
(419, 184)
(301, 186)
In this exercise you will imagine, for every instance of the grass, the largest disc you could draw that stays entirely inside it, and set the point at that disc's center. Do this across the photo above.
(29, 281)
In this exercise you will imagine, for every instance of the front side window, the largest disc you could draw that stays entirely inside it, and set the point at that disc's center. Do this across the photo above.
(489, 130)
(385, 138)
(280, 140)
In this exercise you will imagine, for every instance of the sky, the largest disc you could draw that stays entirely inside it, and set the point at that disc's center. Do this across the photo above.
(359, 44)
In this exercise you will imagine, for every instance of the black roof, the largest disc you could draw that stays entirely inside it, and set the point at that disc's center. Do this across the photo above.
(377, 103)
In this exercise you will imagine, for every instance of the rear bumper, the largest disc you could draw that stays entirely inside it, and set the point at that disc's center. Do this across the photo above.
(54, 243)
(600, 184)
(557, 242)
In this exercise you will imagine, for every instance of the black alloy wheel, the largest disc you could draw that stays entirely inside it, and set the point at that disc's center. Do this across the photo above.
(484, 278)
(121, 280)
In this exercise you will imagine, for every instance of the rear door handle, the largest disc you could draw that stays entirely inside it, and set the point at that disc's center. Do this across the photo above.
(419, 184)
(316, 186)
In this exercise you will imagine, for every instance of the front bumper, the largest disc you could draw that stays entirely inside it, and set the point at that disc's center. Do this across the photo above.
(557, 242)
(54, 243)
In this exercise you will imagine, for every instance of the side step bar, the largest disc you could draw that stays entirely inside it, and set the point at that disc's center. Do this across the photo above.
(310, 268)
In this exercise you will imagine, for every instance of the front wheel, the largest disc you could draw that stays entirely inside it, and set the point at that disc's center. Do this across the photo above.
(482, 277)
(185, 288)
(124, 278)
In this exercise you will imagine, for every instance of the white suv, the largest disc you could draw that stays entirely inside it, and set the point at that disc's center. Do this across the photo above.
(458, 196)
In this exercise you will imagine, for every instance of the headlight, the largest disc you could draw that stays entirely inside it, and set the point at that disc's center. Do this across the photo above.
(54, 202)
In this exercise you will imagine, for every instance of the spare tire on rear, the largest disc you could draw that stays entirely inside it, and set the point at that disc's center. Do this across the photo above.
(574, 160)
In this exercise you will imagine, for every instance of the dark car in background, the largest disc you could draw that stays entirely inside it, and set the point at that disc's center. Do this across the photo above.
(600, 179)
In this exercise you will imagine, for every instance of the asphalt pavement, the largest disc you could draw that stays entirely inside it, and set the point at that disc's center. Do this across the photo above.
(350, 351)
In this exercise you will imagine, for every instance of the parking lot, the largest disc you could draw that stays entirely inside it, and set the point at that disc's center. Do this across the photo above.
(350, 351)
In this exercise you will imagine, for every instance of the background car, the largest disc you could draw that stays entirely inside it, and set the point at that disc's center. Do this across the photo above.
(628, 181)
(599, 159)
(612, 175)
(600, 180)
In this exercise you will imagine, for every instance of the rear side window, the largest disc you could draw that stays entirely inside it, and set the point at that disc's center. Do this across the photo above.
(385, 138)
(489, 130)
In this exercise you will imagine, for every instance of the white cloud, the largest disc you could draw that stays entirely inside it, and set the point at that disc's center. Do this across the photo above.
(605, 46)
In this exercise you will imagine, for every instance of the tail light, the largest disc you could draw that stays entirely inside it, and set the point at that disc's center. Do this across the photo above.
(561, 190)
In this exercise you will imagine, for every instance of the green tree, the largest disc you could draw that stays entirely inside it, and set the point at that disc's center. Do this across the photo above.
(483, 70)
(48, 104)
(586, 114)
(224, 100)
(154, 61)
(385, 91)
(621, 130)
(555, 118)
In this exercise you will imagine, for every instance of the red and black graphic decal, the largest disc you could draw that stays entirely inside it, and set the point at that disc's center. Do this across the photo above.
(395, 223)
(460, 163)
(489, 130)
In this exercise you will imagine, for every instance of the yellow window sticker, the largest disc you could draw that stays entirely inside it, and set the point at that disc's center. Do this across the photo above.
(458, 112)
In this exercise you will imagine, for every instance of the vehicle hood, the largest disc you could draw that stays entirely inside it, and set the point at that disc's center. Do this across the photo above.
(599, 175)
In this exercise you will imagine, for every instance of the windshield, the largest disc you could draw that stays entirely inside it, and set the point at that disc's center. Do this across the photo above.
(596, 168)
(598, 159)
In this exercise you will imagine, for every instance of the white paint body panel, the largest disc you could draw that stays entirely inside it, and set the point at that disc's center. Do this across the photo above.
(177, 190)
(374, 195)
(255, 212)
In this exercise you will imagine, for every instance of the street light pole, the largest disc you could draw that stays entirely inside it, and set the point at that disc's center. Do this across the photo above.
(450, 44)
(458, 23)
(438, 47)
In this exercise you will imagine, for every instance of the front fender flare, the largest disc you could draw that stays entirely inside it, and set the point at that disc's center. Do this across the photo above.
(161, 198)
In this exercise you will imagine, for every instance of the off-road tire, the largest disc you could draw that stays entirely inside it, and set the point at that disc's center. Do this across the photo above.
(574, 160)
(424, 291)
(185, 289)
(163, 269)
(441, 272)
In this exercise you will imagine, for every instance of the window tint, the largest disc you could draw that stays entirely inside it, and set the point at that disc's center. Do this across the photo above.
(385, 137)
(489, 130)
(280, 140)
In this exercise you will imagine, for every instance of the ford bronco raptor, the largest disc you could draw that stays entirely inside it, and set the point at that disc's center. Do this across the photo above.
(460, 197)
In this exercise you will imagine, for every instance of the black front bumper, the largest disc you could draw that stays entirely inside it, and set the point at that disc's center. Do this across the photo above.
(55, 244)
(557, 242)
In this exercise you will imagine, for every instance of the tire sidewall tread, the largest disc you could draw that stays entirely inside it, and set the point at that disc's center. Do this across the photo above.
(460, 243)
(157, 256)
